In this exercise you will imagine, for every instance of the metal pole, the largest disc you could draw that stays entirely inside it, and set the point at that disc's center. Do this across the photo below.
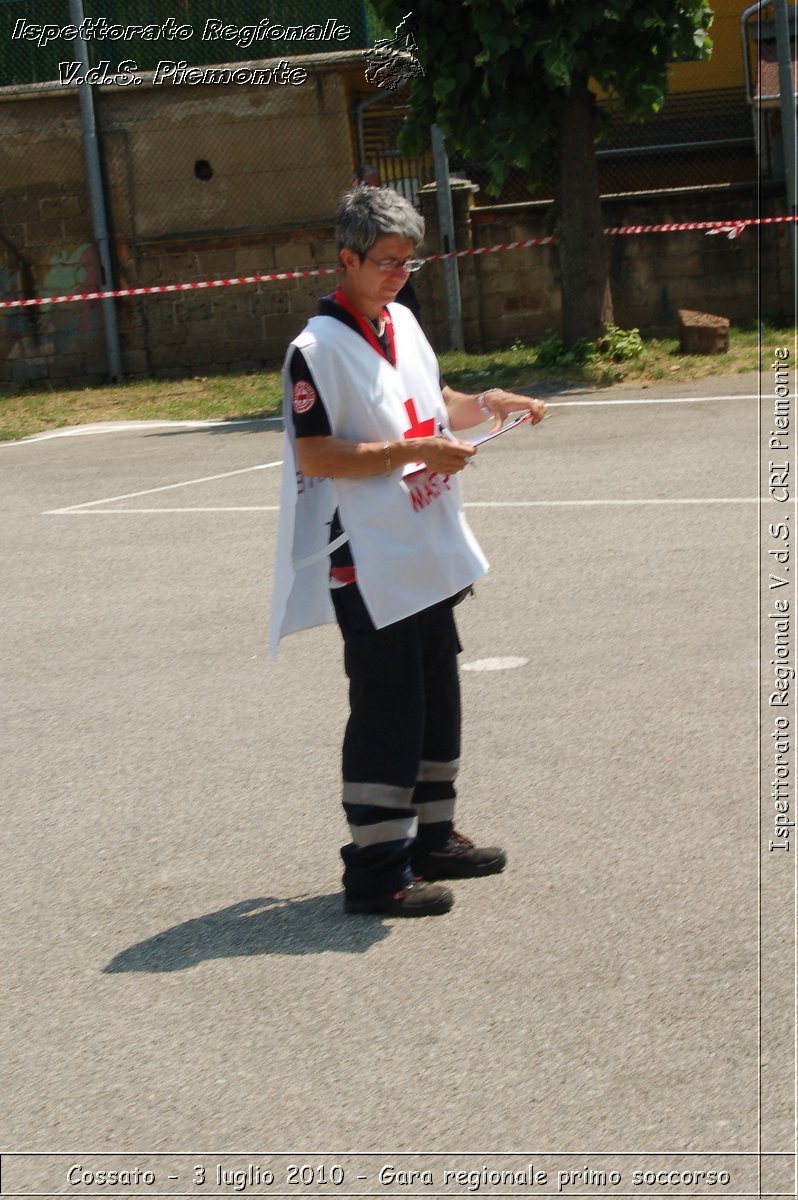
(788, 125)
(451, 280)
(99, 219)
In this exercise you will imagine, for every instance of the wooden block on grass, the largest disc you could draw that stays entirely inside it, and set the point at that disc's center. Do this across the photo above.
(702, 333)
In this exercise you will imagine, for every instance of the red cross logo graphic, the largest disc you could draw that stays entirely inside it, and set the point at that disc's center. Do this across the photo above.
(417, 428)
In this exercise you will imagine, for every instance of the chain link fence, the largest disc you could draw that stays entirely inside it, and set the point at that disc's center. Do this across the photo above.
(698, 139)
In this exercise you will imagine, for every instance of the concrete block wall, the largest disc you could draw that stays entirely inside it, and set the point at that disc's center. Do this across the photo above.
(273, 157)
(47, 246)
(653, 275)
(516, 293)
(278, 159)
(242, 327)
(273, 211)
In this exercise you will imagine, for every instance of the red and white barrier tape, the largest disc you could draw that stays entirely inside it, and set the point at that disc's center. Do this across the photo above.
(732, 229)
(168, 287)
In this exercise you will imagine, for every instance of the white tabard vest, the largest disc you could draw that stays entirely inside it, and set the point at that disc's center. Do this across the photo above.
(409, 538)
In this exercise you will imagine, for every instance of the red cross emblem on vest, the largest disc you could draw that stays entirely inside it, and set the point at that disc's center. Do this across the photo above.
(417, 428)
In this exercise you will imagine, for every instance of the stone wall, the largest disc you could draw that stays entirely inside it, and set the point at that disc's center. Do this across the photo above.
(514, 294)
(203, 182)
(215, 181)
(238, 328)
(47, 244)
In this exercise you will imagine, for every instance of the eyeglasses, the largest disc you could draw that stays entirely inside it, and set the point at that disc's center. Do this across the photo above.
(393, 264)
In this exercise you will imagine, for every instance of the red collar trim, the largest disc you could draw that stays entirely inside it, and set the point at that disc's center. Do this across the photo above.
(367, 329)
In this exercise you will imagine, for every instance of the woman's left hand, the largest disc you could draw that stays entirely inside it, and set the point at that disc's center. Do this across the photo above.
(500, 405)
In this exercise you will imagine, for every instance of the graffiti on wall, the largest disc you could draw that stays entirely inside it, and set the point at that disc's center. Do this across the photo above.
(29, 337)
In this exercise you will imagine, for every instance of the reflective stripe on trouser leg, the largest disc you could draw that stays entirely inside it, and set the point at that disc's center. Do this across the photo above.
(378, 812)
(434, 801)
(438, 772)
(382, 826)
(432, 812)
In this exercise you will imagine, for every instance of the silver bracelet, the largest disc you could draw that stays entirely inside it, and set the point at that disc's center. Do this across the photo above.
(387, 452)
(481, 402)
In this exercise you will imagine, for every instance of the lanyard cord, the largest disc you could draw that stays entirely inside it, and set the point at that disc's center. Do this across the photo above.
(367, 329)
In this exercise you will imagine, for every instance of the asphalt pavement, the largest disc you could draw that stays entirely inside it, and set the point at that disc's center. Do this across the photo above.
(181, 975)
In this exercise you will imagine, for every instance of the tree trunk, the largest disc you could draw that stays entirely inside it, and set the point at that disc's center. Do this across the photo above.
(584, 271)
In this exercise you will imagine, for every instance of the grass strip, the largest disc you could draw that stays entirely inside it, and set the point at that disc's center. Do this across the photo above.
(247, 397)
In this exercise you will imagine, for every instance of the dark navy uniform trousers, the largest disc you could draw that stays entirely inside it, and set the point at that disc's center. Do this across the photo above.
(402, 742)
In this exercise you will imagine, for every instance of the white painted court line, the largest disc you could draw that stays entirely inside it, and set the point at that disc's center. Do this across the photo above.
(651, 400)
(111, 427)
(495, 664)
(168, 487)
(132, 426)
(103, 512)
(85, 511)
(618, 503)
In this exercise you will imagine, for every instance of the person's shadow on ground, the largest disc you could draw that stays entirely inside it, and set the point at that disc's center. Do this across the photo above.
(264, 925)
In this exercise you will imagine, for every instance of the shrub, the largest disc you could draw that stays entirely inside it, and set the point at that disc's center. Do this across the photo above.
(614, 345)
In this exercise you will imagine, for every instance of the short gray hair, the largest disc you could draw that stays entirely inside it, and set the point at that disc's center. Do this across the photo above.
(366, 213)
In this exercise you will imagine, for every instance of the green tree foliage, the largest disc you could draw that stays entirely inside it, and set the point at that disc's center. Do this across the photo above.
(511, 83)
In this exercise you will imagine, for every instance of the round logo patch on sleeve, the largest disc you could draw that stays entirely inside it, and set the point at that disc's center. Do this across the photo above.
(304, 396)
